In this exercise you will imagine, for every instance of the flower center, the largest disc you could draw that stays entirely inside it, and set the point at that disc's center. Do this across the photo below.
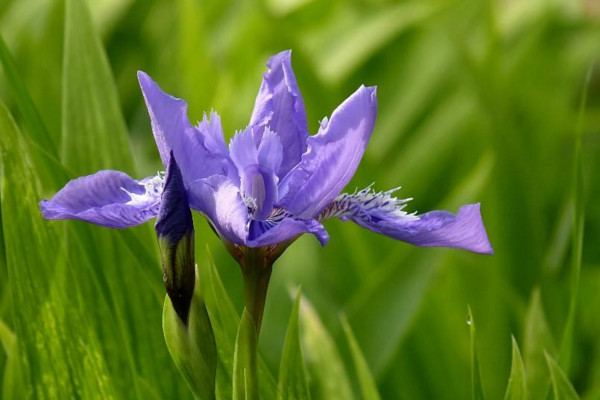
(259, 191)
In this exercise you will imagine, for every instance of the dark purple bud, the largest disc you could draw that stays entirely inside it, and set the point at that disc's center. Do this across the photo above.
(175, 231)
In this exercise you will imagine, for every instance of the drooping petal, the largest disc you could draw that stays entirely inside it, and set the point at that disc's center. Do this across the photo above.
(219, 198)
(465, 230)
(332, 157)
(173, 132)
(279, 106)
(265, 233)
(107, 198)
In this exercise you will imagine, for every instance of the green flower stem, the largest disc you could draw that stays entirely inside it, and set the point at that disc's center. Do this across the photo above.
(256, 268)
(256, 264)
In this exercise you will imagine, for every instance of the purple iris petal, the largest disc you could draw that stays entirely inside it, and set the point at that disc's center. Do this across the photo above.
(173, 132)
(212, 131)
(218, 197)
(332, 157)
(257, 168)
(265, 233)
(107, 198)
(279, 106)
(464, 230)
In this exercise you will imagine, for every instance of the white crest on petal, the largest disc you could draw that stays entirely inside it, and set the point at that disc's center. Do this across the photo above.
(153, 191)
(366, 203)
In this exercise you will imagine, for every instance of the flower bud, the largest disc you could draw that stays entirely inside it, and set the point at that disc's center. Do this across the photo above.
(175, 231)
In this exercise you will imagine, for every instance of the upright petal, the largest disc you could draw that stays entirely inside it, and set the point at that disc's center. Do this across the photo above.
(212, 131)
(332, 157)
(257, 168)
(465, 230)
(218, 197)
(279, 106)
(173, 131)
(107, 198)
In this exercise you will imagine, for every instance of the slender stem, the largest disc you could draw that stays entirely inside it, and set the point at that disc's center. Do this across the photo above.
(256, 269)
(257, 273)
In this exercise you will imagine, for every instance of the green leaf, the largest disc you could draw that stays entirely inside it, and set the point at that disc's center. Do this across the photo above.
(476, 386)
(224, 319)
(368, 387)
(292, 379)
(49, 324)
(12, 381)
(192, 346)
(43, 150)
(245, 376)
(563, 390)
(516, 389)
(90, 101)
(329, 379)
(537, 340)
(577, 196)
(341, 46)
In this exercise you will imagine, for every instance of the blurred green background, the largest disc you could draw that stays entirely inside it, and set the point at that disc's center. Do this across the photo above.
(479, 101)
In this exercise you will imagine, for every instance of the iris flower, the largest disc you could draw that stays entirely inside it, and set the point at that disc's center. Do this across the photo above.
(273, 182)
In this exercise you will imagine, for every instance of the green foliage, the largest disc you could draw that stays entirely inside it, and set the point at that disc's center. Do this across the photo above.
(517, 389)
(325, 367)
(292, 379)
(563, 390)
(225, 320)
(368, 388)
(192, 345)
(245, 374)
(476, 385)
(478, 101)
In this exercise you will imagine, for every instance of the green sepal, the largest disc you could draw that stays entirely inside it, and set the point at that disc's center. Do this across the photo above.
(192, 346)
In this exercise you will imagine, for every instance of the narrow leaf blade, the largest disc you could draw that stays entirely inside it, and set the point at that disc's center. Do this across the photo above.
(563, 390)
(192, 346)
(516, 389)
(325, 366)
(245, 377)
(292, 379)
(368, 387)
(476, 386)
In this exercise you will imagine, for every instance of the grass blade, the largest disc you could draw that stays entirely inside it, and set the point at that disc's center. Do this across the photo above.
(325, 366)
(49, 325)
(292, 379)
(368, 387)
(245, 377)
(476, 385)
(563, 390)
(516, 389)
(90, 101)
(192, 346)
(538, 340)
